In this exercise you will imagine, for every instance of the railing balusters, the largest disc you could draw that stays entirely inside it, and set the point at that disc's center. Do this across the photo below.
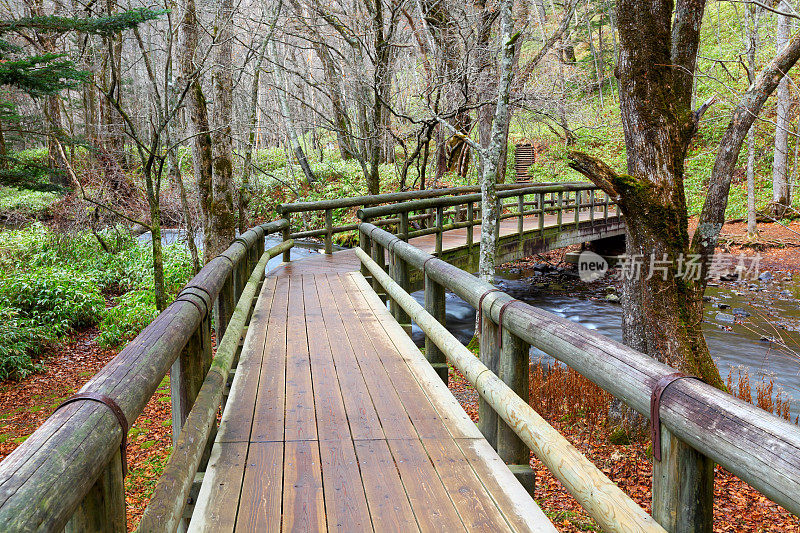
(404, 225)
(439, 231)
(521, 209)
(489, 356)
(591, 206)
(471, 226)
(285, 236)
(103, 507)
(577, 208)
(683, 487)
(328, 231)
(540, 201)
(514, 369)
(379, 256)
(187, 375)
(435, 305)
(560, 209)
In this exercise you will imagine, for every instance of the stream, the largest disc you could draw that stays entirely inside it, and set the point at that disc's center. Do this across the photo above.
(749, 343)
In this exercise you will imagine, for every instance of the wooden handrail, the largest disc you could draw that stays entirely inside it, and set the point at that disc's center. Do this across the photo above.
(165, 509)
(758, 447)
(603, 500)
(45, 480)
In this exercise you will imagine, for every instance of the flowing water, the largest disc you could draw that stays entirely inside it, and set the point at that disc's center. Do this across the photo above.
(748, 343)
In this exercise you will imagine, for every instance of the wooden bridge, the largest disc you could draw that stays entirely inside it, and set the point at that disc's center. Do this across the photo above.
(332, 419)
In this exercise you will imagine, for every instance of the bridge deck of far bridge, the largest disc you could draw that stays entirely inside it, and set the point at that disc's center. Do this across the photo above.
(336, 422)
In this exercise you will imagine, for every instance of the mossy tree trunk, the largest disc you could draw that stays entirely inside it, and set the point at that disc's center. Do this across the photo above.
(662, 315)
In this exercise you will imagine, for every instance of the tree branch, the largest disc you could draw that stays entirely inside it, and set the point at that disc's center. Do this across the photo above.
(596, 170)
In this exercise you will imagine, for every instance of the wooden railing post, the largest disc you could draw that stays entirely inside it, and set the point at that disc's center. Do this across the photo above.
(223, 307)
(489, 356)
(514, 370)
(328, 231)
(683, 487)
(577, 208)
(521, 209)
(379, 256)
(439, 224)
(404, 226)
(540, 201)
(560, 209)
(591, 206)
(285, 236)
(399, 270)
(435, 305)
(471, 226)
(187, 375)
(365, 243)
(103, 507)
(605, 207)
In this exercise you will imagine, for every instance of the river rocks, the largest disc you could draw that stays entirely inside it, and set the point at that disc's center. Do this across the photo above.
(725, 317)
(738, 311)
(612, 298)
(723, 306)
(542, 267)
(786, 292)
(767, 338)
(765, 276)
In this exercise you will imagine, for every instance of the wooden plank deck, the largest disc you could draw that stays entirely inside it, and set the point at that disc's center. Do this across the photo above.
(335, 422)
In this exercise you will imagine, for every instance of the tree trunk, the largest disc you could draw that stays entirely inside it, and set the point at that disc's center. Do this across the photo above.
(751, 42)
(282, 85)
(662, 315)
(197, 122)
(780, 164)
(499, 137)
(223, 217)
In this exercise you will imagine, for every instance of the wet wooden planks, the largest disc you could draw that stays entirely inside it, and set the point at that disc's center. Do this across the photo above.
(335, 422)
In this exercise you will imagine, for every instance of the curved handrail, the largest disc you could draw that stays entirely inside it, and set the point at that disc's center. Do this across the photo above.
(44, 480)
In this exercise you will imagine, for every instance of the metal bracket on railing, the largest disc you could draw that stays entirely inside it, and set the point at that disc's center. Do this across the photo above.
(655, 407)
(111, 404)
(480, 304)
(425, 264)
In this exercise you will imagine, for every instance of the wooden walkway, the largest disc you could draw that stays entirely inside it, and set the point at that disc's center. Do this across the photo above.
(335, 422)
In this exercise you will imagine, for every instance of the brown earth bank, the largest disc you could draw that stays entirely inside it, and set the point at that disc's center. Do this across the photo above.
(572, 405)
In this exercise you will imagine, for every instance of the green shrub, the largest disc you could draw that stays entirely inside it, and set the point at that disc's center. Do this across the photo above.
(57, 299)
(20, 339)
(133, 312)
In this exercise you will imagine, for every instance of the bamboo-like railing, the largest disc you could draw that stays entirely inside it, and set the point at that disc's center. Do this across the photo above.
(69, 473)
(699, 424)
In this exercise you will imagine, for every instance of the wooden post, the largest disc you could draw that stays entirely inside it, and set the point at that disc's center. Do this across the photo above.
(379, 256)
(499, 207)
(521, 209)
(683, 487)
(224, 306)
(489, 355)
(591, 206)
(605, 208)
(577, 208)
(404, 226)
(560, 209)
(471, 226)
(435, 305)
(187, 375)
(514, 370)
(439, 224)
(286, 235)
(328, 231)
(400, 271)
(103, 508)
(540, 201)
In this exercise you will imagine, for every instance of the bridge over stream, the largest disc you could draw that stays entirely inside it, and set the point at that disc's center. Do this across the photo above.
(333, 420)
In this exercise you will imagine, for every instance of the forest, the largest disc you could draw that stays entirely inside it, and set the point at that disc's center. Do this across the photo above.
(138, 138)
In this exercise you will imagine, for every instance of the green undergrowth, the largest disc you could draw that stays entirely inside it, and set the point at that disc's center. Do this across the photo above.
(52, 284)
